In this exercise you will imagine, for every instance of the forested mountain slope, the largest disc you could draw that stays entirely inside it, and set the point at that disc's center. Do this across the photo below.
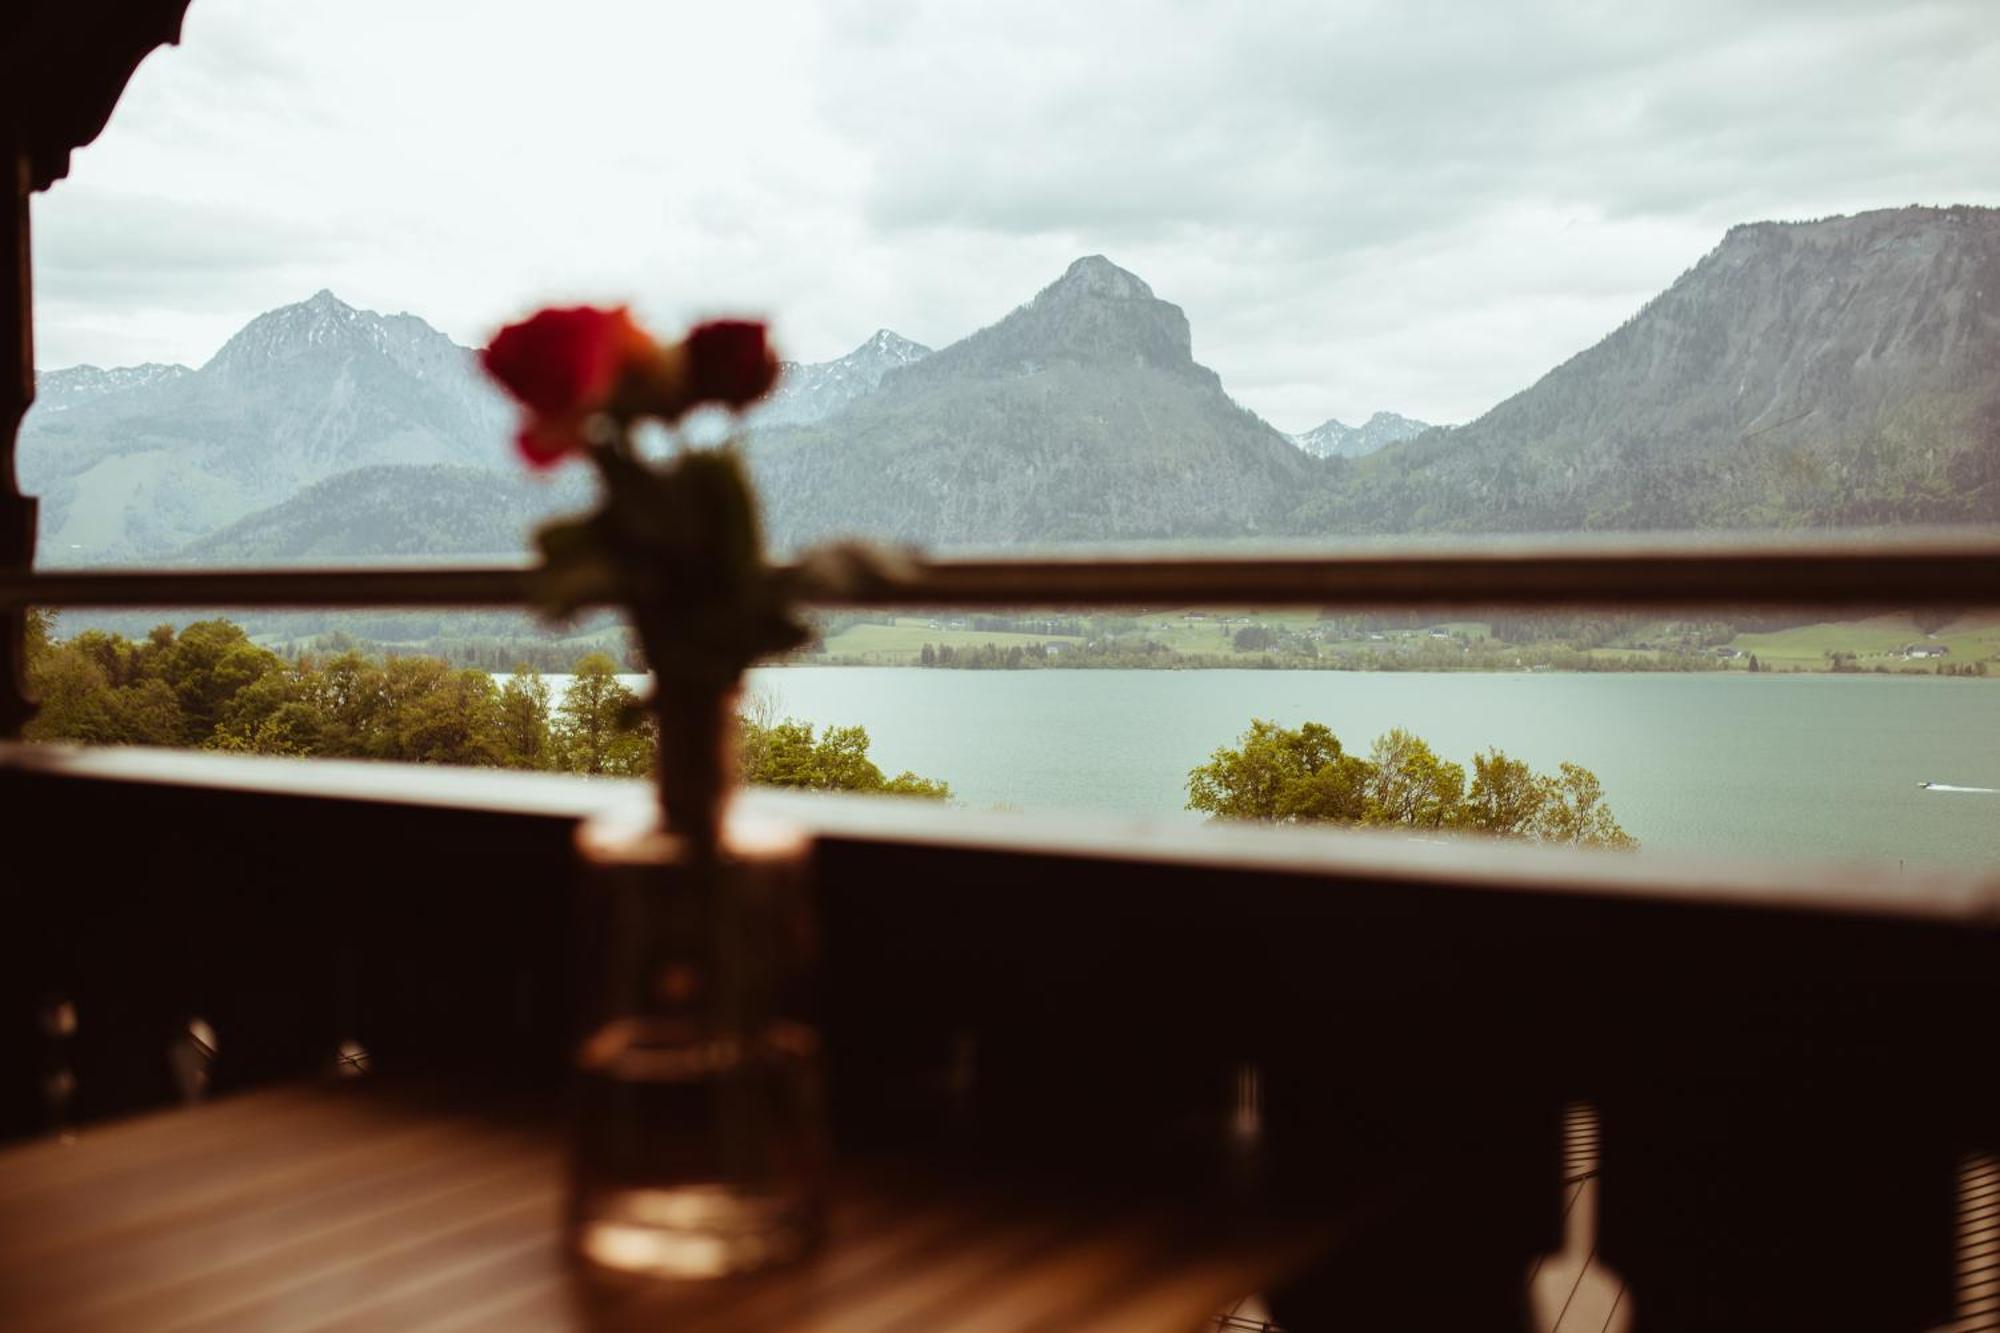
(1081, 416)
(1845, 371)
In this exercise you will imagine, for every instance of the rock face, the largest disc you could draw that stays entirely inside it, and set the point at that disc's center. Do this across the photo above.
(1845, 371)
(812, 391)
(298, 395)
(1081, 416)
(1335, 439)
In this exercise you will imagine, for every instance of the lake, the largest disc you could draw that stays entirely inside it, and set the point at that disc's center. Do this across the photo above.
(1787, 766)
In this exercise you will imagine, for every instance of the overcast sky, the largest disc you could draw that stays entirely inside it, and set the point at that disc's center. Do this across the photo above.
(1404, 205)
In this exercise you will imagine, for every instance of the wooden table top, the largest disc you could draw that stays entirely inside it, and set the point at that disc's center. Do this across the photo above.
(341, 1207)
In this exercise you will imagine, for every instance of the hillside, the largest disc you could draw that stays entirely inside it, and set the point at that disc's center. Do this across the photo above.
(1845, 371)
(135, 463)
(1081, 416)
(407, 511)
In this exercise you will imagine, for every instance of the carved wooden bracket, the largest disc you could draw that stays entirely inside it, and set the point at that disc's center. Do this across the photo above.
(63, 66)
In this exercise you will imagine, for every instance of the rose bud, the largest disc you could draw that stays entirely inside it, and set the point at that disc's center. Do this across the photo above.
(562, 365)
(731, 362)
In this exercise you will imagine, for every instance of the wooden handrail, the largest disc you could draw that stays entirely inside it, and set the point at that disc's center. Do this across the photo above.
(1356, 858)
(1949, 569)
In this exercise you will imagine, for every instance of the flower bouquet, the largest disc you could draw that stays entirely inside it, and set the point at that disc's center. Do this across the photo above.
(678, 544)
(698, 1130)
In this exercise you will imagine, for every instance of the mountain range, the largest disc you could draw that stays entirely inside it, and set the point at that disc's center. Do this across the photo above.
(321, 431)
(1841, 371)
(1335, 439)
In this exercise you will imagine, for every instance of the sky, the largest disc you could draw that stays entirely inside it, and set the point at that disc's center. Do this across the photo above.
(1361, 204)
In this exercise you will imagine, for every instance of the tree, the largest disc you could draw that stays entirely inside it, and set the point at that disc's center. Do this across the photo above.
(1506, 797)
(211, 687)
(1283, 776)
(525, 739)
(39, 630)
(786, 754)
(907, 783)
(72, 697)
(93, 688)
(242, 714)
(1410, 786)
(1280, 775)
(1253, 639)
(599, 726)
(443, 716)
(350, 695)
(207, 664)
(1574, 812)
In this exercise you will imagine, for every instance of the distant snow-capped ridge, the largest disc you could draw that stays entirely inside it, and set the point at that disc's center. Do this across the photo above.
(812, 391)
(325, 324)
(59, 390)
(1334, 439)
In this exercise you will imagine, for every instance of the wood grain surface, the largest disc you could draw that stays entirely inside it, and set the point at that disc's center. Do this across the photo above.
(344, 1207)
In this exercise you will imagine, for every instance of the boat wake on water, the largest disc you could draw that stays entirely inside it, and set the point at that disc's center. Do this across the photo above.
(1946, 786)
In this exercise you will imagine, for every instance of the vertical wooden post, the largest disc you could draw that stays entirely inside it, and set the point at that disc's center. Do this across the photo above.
(17, 390)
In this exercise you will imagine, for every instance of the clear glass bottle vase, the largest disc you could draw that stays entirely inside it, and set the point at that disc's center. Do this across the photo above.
(699, 1136)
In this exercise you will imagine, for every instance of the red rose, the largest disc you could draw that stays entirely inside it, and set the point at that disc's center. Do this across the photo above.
(543, 446)
(562, 361)
(562, 365)
(729, 361)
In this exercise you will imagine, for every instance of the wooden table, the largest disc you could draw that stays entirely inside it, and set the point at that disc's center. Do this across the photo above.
(342, 1207)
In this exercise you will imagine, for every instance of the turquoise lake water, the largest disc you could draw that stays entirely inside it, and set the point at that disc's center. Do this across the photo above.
(1785, 766)
(1816, 766)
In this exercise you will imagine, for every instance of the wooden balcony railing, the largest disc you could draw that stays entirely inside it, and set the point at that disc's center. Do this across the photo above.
(1949, 568)
(1788, 1063)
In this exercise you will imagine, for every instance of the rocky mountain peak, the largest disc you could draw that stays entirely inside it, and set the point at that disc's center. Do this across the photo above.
(323, 323)
(1096, 276)
(813, 390)
(888, 342)
(1096, 314)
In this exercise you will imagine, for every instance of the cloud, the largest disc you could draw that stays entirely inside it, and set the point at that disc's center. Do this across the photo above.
(1421, 206)
(1361, 203)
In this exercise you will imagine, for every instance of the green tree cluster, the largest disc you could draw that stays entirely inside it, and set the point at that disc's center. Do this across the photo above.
(786, 754)
(1303, 775)
(210, 687)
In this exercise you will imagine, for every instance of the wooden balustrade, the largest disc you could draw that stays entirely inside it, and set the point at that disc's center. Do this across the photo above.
(1788, 1066)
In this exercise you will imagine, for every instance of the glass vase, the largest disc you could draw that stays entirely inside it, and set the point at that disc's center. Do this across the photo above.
(699, 1137)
